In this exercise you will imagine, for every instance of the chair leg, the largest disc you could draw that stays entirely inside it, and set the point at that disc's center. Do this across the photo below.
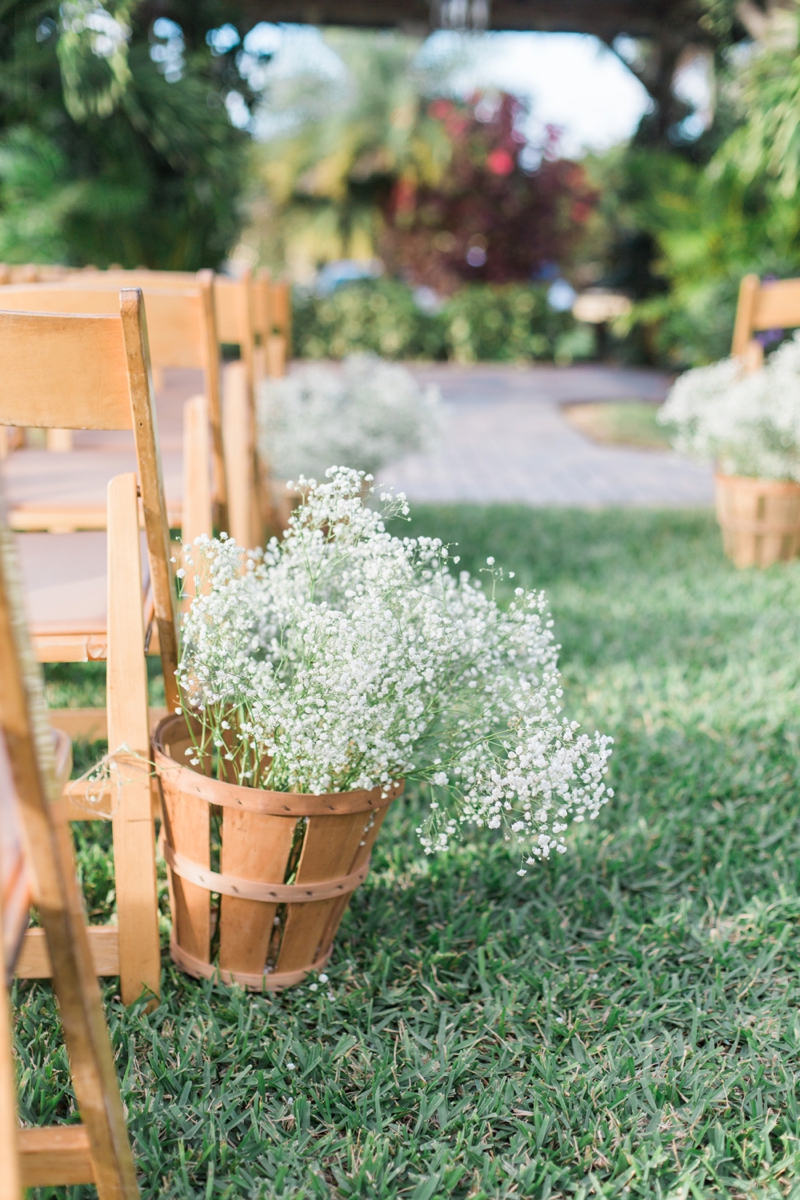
(197, 507)
(10, 1176)
(59, 441)
(128, 735)
(753, 357)
(97, 1150)
(238, 441)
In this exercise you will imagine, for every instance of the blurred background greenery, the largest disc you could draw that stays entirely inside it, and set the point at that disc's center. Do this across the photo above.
(416, 220)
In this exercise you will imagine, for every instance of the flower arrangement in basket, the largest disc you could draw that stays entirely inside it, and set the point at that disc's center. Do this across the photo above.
(365, 413)
(317, 677)
(748, 422)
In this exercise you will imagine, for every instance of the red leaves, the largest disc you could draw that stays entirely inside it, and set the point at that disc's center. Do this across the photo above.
(500, 162)
(491, 197)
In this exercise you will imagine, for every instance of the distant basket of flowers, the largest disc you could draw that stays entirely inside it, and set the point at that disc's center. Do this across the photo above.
(748, 423)
(363, 413)
(317, 677)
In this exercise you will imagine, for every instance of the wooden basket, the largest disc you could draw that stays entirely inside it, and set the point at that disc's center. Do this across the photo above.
(271, 933)
(760, 519)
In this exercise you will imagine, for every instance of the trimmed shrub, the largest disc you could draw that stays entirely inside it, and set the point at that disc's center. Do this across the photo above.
(374, 316)
(510, 323)
(480, 323)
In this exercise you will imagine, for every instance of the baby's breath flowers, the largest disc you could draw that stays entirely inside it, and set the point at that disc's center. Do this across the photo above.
(748, 423)
(343, 657)
(365, 413)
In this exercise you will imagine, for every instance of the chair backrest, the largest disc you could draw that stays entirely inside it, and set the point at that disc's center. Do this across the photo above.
(774, 304)
(234, 307)
(181, 327)
(233, 301)
(70, 371)
(29, 790)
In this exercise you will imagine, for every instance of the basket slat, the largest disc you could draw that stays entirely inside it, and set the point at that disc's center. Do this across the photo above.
(253, 847)
(329, 848)
(339, 907)
(188, 825)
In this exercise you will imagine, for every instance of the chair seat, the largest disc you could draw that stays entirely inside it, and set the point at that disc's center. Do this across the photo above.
(61, 492)
(64, 578)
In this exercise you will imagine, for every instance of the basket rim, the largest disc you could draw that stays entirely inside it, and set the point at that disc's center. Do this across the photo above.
(177, 777)
(756, 483)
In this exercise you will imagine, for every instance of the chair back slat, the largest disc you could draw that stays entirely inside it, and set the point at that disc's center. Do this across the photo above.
(182, 333)
(774, 304)
(138, 277)
(174, 316)
(93, 372)
(777, 305)
(61, 371)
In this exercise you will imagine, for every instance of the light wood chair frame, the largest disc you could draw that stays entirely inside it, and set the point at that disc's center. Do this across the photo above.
(97, 1150)
(182, 316)
(248, 509)
(762, 306)
(93, 372)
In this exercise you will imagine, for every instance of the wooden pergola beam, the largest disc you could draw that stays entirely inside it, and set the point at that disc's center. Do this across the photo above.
(606, 19)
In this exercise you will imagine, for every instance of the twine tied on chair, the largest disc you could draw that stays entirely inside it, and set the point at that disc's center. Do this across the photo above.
(98, 791)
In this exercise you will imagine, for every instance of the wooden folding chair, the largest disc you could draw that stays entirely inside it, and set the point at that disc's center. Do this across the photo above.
(771, 305)
(36, 861)
(182, 329)
(85, 591)
(247, 508)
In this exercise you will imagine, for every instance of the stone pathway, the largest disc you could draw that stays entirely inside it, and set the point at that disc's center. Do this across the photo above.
(506, 440)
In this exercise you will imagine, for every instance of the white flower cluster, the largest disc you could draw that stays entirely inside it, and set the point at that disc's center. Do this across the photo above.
(345, 657)
(364, 414)
(748, 424)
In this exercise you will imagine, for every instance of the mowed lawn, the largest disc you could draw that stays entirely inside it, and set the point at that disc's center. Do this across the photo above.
(624, 1021)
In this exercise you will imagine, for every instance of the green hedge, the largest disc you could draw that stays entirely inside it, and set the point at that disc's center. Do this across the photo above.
(481, 323)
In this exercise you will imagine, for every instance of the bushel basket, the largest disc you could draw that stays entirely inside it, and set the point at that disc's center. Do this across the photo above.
(264, 932)
(759, 518)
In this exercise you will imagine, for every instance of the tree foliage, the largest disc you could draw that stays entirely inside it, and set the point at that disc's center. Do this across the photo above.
(707, 228)
(334, 146)
(767, 143)
(381, 159)
(678, 230)
(115, 141)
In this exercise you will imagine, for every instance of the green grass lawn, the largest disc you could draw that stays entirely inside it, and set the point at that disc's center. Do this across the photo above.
(622, 1022)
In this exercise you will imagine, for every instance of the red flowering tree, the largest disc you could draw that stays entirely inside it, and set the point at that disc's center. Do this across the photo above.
(493, 217)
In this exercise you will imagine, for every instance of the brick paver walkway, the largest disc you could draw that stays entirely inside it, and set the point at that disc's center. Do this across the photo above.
(507, 440)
